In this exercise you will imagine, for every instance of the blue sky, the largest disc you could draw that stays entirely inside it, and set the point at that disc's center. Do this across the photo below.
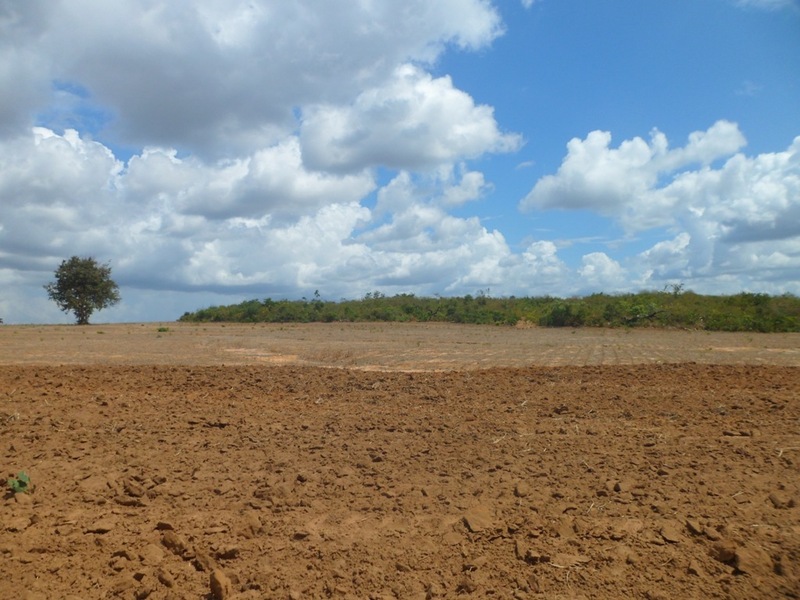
(216, 152)
(565, 68)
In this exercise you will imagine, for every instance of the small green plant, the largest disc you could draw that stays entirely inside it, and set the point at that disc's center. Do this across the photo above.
(21, 484)
(163, 329)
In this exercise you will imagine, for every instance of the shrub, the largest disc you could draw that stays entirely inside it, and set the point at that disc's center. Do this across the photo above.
(21, 484)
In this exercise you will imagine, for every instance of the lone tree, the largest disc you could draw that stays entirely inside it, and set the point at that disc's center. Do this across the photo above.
(83, 286)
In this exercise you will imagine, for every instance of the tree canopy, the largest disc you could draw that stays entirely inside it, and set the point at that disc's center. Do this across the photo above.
(671, 307)
(83, 286)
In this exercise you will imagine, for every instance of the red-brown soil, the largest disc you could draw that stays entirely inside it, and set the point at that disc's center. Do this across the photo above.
(432, 462)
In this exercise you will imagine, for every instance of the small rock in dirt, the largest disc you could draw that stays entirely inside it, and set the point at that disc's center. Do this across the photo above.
(475, 563)
(724, 551)
(711, 533)
(203, 562)
(566, 508)
(452, 538)
(227, 552)
(175, 543)
(782, 567)
(165, 578)
(617, 534)
(779, 500)
(671, 533)
(144, 592)
(94, 484)
(122, 586)
(133, 488)
(625, 485)
(478, 519)
(124, 553)
(569, 560)
(466, 585)
(693, 568)
(94, 499)
(251, 525)
(522, 489)
(164, 526)
(740, 433)
(520, 549)
(221, 587)
(101, 526)
(25, 558)
(535, 558)
(523, 552)
(131, 501)
(151, 555)
(753, 560)
(627, 554)
(434, 590)
(216, 529)
(535, 583)
(694, 527)
(119, 563)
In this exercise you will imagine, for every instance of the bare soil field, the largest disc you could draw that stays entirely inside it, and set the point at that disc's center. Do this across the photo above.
(384, 346)
(177, 461)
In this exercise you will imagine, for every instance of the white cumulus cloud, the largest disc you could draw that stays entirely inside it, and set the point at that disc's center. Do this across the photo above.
(600, 272)
(415, 121)
(214, 151)
(619, 181)
(218, 78)
(732, 216)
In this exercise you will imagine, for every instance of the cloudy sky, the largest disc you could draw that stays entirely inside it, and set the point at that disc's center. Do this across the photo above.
(214, 151)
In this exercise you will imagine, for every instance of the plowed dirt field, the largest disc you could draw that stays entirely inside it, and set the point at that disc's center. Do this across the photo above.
(175, 461)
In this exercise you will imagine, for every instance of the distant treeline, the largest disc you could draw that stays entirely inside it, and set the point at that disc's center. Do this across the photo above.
(672, 307)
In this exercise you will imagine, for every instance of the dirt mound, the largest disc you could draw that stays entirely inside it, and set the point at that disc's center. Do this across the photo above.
(652, 481)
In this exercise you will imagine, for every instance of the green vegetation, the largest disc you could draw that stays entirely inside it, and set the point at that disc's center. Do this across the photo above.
(21, 484)
(672, 307)
(83, 286)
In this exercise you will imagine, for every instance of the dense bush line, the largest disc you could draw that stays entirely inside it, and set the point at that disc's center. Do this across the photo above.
(673, 308)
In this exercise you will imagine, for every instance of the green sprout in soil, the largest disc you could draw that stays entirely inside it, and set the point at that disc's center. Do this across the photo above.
(21, 484)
